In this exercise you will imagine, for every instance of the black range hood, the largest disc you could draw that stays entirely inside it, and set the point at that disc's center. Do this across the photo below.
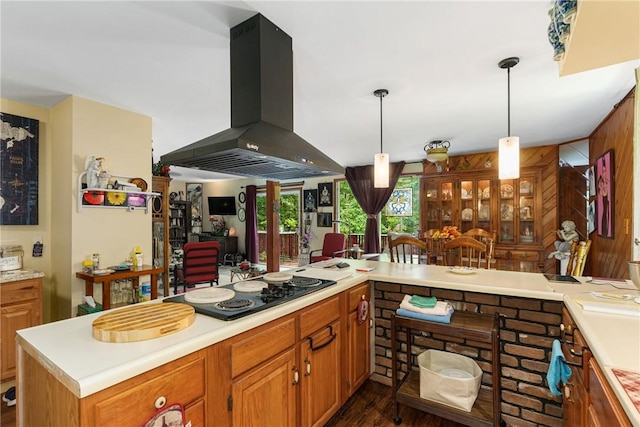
(261, 142)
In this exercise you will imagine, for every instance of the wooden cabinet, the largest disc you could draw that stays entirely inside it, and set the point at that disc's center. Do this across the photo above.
(179, 223)
(574, 397)
(160, 227)
(358, 339)
(228, 245)
(131, 402)
(20, 307)
(604, 408)
(510, 208)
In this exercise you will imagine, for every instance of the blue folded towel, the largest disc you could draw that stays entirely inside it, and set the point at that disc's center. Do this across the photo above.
(559, 371)
(430, 317)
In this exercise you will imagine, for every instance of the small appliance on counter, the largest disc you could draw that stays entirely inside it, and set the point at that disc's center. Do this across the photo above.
(241, 299)
(11, 257)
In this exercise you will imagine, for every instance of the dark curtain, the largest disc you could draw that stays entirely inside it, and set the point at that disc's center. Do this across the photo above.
(251, 224)
(371, 200)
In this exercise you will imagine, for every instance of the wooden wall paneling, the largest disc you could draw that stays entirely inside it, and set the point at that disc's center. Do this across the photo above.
(616, 133)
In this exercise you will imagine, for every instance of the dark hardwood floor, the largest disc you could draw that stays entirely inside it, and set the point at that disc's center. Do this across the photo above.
(371, 406)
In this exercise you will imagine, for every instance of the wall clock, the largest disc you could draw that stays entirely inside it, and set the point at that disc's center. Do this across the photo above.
(241, 214)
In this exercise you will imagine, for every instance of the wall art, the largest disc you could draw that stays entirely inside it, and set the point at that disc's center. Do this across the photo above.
(18, 170)
(605, 195)
(401, 202)
(310, 200)
(325, 193)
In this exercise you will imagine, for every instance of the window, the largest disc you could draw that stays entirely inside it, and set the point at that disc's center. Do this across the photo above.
(289, 210)
(405, 218)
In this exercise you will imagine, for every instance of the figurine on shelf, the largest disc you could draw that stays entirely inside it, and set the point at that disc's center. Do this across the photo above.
(568, 234)
(93, 167)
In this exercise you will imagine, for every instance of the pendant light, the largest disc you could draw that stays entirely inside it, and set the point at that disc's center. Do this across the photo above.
(381, 160)
(509, 147)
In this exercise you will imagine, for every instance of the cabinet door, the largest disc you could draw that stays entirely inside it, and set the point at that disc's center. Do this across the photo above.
(267, 395)
(358, 340)
(527, 213)
(475, 204)
(321, 376)
(14, 317)
(438, 203)
(574, 401)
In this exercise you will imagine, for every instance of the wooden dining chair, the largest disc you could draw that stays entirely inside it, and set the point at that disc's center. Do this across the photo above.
(408, 249)
(577, 257)
(468, 252)
(486, 237)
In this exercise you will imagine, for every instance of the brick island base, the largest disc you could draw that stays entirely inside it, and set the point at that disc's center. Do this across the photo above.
(528, 328)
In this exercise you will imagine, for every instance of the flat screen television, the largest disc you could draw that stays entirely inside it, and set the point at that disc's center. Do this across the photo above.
(222, 205)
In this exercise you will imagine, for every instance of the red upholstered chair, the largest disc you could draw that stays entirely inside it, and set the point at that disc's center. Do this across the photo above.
(334, 244)
(199, 264)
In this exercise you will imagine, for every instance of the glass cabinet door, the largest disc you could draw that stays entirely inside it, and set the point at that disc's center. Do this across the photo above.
(507, 231)
(526, 214)
(475, 204)
(446, 194)
(438, 202)
(432, 205)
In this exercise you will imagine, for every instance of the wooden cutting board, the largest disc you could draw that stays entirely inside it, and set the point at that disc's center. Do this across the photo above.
(143, 322)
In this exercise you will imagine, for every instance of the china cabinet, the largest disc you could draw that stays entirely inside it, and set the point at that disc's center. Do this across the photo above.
(478, 199)
(160, 224)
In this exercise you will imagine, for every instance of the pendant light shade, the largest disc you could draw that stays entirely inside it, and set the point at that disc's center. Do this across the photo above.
(381, 160)
(509, 147)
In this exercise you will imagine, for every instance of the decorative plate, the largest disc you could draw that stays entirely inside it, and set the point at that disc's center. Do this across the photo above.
(241, 214)
(93, 197)
(506, 190)
(140, 183)
(525, 187)
(486, 193)
(116, 198)
(462, 270)
(136, 199)
(506, 212)
(467, 214)
(242, 197)
(465, 194)
(250, 286)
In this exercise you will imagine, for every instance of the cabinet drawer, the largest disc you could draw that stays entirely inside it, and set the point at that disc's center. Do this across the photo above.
(133, 402)
(354, 295)
(604, 407)
(19, 291)
(257, 348)
(518, 255)
(318, 316)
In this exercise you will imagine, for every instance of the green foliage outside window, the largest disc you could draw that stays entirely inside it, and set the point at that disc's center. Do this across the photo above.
(353, 219)
(289, 211)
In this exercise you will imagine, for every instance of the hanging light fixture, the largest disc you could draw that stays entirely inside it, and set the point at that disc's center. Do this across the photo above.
(381, 160)
(437, 151)
(509, 147)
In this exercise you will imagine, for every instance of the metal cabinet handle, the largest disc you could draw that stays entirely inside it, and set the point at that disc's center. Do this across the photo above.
(333, 336)
(308, 370)
(295, 375)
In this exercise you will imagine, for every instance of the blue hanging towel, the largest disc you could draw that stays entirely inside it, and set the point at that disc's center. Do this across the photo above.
(559, 371)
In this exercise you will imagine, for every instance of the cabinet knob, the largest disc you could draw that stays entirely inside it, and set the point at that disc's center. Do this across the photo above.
(308, 363)
(160, 402)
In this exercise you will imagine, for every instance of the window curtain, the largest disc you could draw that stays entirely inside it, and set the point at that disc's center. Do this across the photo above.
(371, 200)
(251, 226)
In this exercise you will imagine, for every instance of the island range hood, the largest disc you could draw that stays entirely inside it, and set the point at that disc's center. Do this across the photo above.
(261, 142)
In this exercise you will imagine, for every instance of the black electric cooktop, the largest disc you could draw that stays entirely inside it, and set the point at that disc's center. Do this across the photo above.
(246, 303)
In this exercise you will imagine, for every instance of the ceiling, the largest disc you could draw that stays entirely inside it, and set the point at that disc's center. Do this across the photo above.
(438, 59)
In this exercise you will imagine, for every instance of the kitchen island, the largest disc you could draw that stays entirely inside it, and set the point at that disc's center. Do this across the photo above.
(84, 366)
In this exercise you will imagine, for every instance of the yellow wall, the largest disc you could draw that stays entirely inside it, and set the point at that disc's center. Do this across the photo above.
(70, 131)
(24, 235)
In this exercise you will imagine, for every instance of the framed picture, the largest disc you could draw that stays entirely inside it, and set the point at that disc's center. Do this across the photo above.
(591, 217)
(310, 200)
(19, 170)
(401, 202)
(324, 219)
(605, 195)
(325, 192)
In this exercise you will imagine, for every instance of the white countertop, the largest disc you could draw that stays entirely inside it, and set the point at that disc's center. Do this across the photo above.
(22, 274)
(86, 365)
(614, 341)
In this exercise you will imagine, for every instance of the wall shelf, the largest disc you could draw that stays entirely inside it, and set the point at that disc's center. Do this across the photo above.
(106, 191)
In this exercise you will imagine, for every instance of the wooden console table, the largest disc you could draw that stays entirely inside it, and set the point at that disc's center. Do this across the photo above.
(90, 279)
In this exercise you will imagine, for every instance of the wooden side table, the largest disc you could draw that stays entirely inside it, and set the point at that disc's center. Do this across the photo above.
(90, 279)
